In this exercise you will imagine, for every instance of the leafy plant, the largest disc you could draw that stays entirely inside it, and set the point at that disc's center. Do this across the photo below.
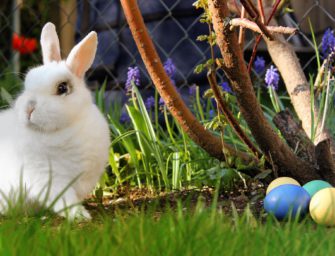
(10, 85)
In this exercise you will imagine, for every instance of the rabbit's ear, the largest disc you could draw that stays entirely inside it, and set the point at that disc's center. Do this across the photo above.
(82, 55)
(50, 44)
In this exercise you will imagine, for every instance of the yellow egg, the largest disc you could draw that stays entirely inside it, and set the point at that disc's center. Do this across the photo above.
(281, 181)
(322, 207)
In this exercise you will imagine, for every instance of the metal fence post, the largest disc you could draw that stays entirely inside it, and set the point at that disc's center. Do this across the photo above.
(16, 28)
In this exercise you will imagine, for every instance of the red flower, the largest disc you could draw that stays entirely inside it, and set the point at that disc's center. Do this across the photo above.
(23, 44)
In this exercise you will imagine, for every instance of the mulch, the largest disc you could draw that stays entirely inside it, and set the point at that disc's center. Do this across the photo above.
(132, 200)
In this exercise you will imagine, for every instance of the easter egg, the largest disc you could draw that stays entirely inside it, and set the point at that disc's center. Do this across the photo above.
(315, 185)
(281, 181)
(285, 200)
(322, 207)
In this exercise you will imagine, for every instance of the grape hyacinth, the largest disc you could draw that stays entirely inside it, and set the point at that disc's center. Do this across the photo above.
(150, 102)
(272, 78)
(133, 74)
(161, 102)
(192, 90)
(170, 69)
(259, 65)
(225, 87)
(124, 118)
(211, 114)
(328, 42)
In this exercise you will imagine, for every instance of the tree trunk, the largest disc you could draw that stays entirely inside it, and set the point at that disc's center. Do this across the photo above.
(236, 70)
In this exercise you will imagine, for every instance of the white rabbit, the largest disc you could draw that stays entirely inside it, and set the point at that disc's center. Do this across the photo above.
(54, 130)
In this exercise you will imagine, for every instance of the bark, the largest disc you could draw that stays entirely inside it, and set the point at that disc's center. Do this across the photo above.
(295, 136)
(246, 23)
(297, 86)
(236, 71)
(212, 144)
(296, 83)
(325, 161)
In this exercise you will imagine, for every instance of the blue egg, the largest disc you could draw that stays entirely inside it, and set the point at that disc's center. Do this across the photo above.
(287, 200)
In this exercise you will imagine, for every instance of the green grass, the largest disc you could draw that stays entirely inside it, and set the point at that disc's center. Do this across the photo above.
(180, 232)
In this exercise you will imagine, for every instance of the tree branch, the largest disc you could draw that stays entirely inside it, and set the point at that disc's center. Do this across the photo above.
(253, 12)
(259, 38)
(261, 10)
(297, 85)
(253, 26)
(325, 161)
(235, 69)
(295, 136)
(212, 144)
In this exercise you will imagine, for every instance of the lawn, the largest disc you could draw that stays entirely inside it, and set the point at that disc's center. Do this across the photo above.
(176, 231)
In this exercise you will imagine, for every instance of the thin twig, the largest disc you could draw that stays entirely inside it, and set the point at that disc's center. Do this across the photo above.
(229, 115)
(253, 26)
(261, 10)
(259, 38)
(241, 32)
(253, 13)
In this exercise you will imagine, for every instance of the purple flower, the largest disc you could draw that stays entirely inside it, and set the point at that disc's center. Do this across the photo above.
(150, 102)
(259, 64)
(161, 102)
(226, 88)
(192, 90)
(328, 42)
(272, 77)
(124, 118)
(133, 74)
(211, 113)
(170, 68)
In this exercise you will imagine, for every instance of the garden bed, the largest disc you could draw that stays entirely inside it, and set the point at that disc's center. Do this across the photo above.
(143, 199)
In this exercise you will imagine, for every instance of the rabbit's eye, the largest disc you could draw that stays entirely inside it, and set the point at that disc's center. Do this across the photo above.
(63, 88)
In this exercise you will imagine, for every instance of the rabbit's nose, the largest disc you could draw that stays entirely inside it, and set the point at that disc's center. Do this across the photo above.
(30, 108)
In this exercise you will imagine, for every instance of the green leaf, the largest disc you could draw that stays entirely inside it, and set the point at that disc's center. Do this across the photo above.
(208, 94)
(202, 38)
(199, 68)
(5, 95)
(139, 124)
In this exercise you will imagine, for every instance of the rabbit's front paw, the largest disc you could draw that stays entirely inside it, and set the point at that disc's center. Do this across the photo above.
(76, 213)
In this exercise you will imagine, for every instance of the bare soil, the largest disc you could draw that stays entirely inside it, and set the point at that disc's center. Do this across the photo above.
(128, 201)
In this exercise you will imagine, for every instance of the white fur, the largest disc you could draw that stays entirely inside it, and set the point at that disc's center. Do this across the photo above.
(65, 138)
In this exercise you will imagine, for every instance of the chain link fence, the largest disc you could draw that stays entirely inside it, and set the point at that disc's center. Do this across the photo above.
(173, 24)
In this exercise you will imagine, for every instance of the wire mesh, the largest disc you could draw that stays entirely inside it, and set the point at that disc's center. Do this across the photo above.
(173, 24)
